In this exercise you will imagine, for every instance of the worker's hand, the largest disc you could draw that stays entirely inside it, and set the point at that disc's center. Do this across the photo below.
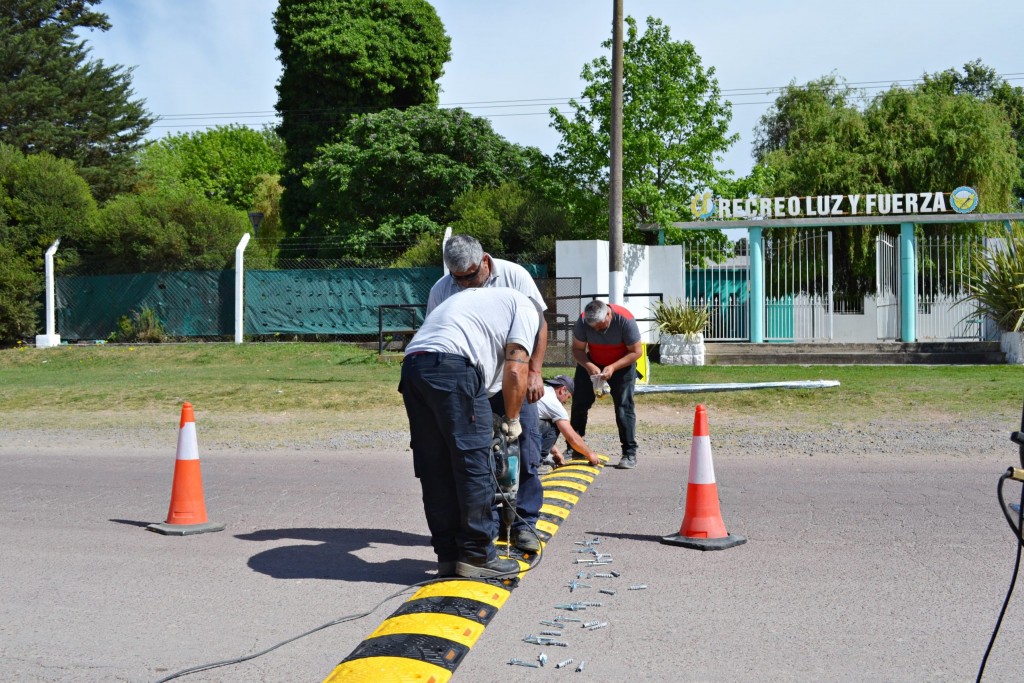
(593, 459)
(534, 387)
(557, 456)
(607, 372)
(511, 428)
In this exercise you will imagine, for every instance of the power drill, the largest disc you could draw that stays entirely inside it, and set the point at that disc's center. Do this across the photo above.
(506, 472)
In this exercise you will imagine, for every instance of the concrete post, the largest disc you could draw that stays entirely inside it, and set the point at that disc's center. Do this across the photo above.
(239, 287)
(755, 251)
(51, 338)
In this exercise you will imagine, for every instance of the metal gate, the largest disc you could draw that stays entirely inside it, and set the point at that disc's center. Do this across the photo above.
(945, 264)
(887, 287)
(722, 286)
(798, 286)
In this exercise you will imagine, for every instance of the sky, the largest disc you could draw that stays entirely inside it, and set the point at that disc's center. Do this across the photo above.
(201, 63)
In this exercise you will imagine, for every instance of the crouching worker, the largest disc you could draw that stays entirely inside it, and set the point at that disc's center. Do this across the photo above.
(554, 421)
(469, 348)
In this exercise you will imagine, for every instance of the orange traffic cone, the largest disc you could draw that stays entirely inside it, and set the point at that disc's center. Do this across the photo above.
(702, 527)
(187, 514)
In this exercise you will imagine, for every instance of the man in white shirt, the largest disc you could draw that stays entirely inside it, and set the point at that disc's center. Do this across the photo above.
(471, 268)
(554, 421)
(469, 349)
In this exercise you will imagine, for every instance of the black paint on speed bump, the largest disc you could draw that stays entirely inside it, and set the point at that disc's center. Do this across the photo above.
(463, 608)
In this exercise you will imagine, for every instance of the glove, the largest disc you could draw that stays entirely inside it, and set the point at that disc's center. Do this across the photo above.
(511, 428)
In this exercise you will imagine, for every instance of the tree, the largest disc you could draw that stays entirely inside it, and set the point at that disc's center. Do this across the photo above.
(342, 58)
(225, 163)
(171, 229)
(398, 164)
(675, 129)
(816, 140)
(53, 98)
(42, 198)
(984, 83)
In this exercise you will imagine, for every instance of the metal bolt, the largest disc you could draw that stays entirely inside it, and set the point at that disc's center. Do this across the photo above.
(564, 662)
(597, 626)
(606, 591)
(546, 622)
(591, 604)
(519, 662)
(551, 633)
(638, 587)
(603, 575)
(563, 619)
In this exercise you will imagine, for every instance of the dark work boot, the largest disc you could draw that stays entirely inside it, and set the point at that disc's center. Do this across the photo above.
(499, 566)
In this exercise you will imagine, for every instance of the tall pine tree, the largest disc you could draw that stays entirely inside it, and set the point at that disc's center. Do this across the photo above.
(54, 98)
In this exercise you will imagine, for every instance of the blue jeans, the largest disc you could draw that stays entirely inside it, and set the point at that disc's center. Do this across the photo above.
(622, 383)
(451, 429)
(531, 491)
(548, 436)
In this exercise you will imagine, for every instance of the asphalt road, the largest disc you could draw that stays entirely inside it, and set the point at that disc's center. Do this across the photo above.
(882, 566)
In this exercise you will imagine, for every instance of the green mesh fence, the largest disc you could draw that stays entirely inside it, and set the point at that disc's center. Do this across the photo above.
(188, 304)
(344, 302)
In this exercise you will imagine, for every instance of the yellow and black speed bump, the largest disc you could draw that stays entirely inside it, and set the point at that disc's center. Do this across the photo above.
(430, 634)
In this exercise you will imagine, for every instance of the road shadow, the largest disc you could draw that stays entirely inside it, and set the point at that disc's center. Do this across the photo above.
(132, 522)
(332, 557)
(629, 537)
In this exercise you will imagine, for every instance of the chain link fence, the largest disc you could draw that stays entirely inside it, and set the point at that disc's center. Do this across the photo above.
(348, 300)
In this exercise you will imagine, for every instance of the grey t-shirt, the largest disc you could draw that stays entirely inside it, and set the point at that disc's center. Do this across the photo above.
(503, 274)
(477, 325)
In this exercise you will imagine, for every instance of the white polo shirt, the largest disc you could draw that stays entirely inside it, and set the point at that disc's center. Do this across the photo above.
(477, 325)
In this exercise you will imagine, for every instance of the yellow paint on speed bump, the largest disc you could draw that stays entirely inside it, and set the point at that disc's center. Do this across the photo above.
(486, 593)
(448, 627)
(554, 510)
(457, 629)
(558, 495)
(388, 670)
(567, 483)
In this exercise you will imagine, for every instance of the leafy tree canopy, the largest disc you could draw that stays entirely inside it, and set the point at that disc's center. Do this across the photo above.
(225, 163)
(342, 58)
(171, 229)
(42, 198)
(397, 164)
(675, 129)
(54, 98)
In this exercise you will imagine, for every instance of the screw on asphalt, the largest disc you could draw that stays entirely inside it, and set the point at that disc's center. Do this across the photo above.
(519, 662)
(607, 591)
(638, 587)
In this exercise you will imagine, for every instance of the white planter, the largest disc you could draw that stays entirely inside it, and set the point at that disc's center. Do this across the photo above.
(682, 349)
(1012, 344)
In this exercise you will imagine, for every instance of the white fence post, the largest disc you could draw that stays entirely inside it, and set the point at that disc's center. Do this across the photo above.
(239, 286)
(51, 338)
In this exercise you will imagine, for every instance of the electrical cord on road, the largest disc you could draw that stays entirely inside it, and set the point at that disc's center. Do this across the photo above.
(360, 615)
(1017, 475)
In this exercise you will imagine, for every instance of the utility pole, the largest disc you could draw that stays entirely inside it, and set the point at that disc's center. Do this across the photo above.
(616, 278)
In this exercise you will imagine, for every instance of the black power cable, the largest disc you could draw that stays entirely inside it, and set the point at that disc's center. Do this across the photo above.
(360, 615)
(1018, 475)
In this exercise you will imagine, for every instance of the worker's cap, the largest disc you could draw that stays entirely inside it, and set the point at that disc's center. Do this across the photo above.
(562, 381)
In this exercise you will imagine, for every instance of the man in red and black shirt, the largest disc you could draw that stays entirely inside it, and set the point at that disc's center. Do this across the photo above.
(606, 345)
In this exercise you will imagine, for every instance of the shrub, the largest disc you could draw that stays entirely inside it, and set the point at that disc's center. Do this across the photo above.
(142, 326)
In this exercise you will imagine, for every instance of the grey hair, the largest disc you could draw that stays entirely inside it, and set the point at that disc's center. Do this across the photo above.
(462, 253)
(595, 312)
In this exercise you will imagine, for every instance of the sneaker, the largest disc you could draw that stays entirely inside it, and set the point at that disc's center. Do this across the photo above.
(525, 539)
(545, 468)
(627, 462)
(499, 566)
(446, 569)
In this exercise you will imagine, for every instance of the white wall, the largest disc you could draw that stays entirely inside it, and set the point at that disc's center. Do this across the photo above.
(647, 269)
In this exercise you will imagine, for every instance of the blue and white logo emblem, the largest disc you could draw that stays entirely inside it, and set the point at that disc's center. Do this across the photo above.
(963, 199)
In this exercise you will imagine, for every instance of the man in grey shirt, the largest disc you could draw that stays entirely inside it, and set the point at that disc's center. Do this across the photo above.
(471, 268)
(468, 350)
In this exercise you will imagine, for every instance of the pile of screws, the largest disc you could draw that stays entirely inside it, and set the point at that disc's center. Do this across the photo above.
(590, 556)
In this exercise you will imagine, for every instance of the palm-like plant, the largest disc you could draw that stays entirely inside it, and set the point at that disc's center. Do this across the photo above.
(996, 282)
(679, 317)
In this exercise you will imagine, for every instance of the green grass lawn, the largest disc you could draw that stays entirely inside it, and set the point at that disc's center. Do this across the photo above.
(345, 385)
